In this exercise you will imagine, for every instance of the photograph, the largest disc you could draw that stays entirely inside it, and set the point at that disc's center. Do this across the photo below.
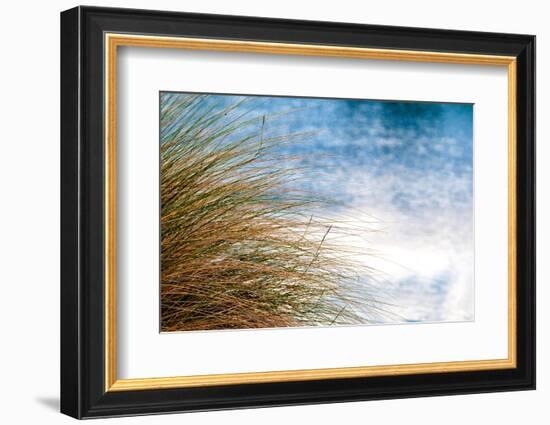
(261, 211)
(298, 211)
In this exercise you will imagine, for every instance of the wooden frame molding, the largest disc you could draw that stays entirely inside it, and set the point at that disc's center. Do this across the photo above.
(114, 40)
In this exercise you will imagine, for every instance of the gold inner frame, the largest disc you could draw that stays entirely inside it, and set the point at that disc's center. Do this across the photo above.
(113, 41)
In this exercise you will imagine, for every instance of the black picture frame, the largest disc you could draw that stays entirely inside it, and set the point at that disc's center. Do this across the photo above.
(83, 392)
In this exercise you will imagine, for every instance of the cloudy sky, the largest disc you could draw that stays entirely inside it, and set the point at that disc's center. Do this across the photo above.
(402, 171)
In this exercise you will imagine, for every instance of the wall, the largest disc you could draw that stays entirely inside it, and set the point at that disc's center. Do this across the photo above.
(29, 229)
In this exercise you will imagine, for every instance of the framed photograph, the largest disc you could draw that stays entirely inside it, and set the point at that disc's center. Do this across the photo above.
(261, 212)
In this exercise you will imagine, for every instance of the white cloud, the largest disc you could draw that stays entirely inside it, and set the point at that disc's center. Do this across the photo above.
(424, 257)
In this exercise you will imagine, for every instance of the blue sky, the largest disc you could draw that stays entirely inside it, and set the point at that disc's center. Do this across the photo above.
(403, 169)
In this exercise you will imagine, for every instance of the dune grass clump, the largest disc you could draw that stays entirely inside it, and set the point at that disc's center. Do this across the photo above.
(239, 245)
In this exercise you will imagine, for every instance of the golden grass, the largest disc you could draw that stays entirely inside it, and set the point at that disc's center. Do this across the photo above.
(238, 249)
